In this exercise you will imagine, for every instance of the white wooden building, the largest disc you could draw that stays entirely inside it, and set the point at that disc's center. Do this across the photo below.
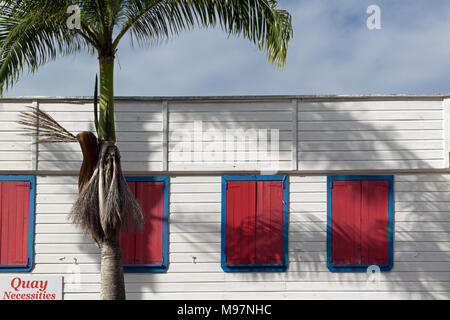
(306, 138)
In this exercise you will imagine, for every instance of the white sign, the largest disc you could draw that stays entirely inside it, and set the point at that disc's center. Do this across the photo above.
(20, 287)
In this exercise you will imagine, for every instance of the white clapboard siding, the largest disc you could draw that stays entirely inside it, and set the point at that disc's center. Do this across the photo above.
(247, 134)
(421, 245)
(16, 149)
(136, 122)
(230, 136)
(370, 135)
(332, 134)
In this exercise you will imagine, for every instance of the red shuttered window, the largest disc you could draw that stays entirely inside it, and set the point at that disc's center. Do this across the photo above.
(146, 249)
(360, 217)
(16, 223)
(254, 223)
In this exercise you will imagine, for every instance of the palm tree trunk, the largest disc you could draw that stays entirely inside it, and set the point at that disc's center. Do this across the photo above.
(106, 119)
(112, 278)
(113, 287)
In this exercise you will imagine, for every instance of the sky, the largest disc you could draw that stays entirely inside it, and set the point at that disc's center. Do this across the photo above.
(332, 52)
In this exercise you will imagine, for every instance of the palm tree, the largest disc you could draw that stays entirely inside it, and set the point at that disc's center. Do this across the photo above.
(33, 33)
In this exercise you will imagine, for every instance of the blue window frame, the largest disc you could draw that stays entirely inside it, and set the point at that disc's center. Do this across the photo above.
(141, 268)
(31, 218)
(360, 267)
(285, 205)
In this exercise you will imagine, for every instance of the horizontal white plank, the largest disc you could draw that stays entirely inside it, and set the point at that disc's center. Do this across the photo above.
(211, 134)
(59, 238)
(268, 166)
(195, 197)
(419, 186)
(221, 153)
(78, 116)
(144, 156)
(194, 208)
(422, 216)
(119, 106)
(52, 218)
(14, 136)
(124, 147)
(57, 189)
(350, 155)
(417, 196)
(369, 106)
(195, 218)
(58, 165)
(202, 188)
(84, 248)
(195, 179)
(371, 146)
(14, 107)
(15, 146)
(58, 228)
(56, 180)
(53, 208)
(372, 115)
(15, 156)
(421, 206)
(370, 165)
(221, 145)
(432, 177)
(52, 268)
(136, 136)
(15, 165)
(389, 138)
(227, 116)
(381, 125)
(68, 258)
(228, 106)
(233, 127)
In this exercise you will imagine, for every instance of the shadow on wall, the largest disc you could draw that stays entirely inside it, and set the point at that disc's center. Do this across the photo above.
(328, 139)
(421, 239)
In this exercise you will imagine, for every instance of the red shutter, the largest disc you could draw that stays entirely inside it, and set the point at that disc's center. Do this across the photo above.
(360, 222)
(14, 211)
(254, 222)
(269, 222)
(346, 208)
(149, 240)
(240, 234)
(128, 238)
(145, 246)
(374, 222)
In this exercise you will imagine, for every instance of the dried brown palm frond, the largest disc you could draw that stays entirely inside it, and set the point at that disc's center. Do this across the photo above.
(106, 203)
(43, 127)
(89, 146)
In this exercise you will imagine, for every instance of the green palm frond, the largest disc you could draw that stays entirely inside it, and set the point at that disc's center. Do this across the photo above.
(33, 33)
(269, 28)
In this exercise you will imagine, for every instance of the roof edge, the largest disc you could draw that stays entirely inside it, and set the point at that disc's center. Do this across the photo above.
(241, 97)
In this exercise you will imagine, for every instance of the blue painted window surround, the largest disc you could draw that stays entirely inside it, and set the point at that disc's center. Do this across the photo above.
(144, 268)
(285, 198)
(31, 218)
(360, 267)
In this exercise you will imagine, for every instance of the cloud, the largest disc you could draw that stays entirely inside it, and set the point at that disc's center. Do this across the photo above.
(332, 52)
